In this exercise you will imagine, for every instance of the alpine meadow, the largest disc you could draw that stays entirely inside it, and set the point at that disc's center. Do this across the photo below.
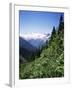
(42, 55)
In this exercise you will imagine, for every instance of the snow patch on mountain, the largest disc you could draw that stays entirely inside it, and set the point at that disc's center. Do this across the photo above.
(28, 36)
(36, 39)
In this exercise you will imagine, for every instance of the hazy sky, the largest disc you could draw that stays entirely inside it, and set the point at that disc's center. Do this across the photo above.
(37, 21)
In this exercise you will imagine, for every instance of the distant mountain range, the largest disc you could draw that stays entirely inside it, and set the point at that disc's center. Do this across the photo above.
(29, 45)
(36, 39)
(25, 49)
(26, 45)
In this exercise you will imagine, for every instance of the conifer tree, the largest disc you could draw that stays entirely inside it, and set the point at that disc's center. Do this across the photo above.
(53, 33)
(61, 24)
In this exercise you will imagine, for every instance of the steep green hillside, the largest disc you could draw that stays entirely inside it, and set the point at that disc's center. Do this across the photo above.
(50, 62)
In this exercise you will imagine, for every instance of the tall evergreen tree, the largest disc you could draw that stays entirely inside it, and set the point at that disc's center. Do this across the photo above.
(53, 33)
(61, 24)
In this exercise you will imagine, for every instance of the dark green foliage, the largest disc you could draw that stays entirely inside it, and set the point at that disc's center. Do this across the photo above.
(61, 24)
(53, 35)
(53, 32)
(49, 60)
(38, 53)
(46, 44)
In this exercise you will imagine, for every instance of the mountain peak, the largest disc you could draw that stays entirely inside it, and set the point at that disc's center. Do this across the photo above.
(36, 39)
(32, 35)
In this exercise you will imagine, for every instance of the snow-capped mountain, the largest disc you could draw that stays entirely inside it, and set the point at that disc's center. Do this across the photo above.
(36, 39)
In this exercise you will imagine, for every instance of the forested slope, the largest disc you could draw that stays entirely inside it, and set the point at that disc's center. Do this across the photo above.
(50, 62)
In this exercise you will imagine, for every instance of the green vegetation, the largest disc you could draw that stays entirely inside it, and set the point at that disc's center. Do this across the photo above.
(50, 60)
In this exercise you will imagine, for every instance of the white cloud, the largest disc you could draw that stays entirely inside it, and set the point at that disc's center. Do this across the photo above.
(28, 36)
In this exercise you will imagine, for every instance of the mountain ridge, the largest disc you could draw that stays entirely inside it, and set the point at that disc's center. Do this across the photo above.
(25, 49)
(36, 39)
